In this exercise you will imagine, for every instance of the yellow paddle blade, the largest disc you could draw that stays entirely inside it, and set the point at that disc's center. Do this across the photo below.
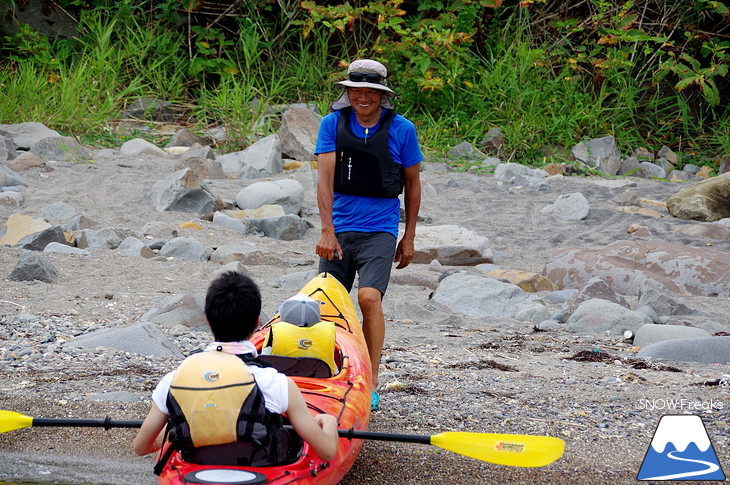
(502, 449)
(10, 420)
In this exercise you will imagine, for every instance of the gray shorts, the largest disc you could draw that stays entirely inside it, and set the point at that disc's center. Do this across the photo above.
(367, 254)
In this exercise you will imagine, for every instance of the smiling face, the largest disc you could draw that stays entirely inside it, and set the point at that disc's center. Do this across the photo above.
(365, 101)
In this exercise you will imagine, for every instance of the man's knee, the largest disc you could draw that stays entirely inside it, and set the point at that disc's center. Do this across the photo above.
(369, 299)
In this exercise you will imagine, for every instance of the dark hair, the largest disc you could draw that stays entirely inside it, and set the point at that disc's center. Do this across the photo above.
(232, 307)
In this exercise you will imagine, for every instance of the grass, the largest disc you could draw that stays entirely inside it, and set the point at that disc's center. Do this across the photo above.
(514, 85)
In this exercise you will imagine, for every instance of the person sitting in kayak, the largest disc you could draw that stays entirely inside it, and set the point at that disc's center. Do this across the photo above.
(225, 396)
(300, 332)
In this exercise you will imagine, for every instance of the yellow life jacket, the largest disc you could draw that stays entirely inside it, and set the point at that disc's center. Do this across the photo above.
(218, 415)
(293, 341)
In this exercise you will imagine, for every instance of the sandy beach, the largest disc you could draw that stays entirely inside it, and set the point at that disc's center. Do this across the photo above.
(440, 372)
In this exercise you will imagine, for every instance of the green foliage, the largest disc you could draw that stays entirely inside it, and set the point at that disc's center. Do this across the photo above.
(547, 72)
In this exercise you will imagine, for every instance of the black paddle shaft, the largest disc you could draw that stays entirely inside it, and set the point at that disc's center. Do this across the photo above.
(106, 423)
(371, 435)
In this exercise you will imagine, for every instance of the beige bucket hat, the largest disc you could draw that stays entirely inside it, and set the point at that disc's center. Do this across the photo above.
(365, 73)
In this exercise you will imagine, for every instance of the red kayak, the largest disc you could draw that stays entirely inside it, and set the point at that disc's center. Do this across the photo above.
(346, 396)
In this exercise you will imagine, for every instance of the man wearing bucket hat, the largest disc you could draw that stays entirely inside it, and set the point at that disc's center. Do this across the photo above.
(367, 156)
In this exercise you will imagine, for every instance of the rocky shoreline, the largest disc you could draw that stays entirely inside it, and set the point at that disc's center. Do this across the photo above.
(505, 360)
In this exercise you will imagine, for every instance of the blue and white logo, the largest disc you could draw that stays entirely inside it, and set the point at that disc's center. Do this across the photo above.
(681, 450)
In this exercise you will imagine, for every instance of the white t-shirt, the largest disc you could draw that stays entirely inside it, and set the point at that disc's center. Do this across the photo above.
(273, 385)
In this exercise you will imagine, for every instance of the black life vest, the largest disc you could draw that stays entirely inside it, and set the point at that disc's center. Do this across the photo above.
(364, 166)
(218, 415)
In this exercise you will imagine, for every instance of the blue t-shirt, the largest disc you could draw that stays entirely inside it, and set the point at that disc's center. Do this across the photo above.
(370, 214)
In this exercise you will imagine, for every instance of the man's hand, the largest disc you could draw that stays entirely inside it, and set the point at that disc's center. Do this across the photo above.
(328, 247)
(404, 252)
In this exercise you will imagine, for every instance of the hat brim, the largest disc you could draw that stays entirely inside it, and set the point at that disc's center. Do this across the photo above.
(352, 84)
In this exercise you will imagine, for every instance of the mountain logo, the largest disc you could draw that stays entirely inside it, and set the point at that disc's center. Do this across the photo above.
(680, 450)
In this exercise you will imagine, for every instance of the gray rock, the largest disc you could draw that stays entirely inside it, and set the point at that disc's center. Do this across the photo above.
(262, 159)
(288, 193)
(558, 297)
(231, 252)
(478, 296)
(186, 138)
(652, 170)
(451, 245)
(520, 175)
(234, 223)
(649, 312)
(204, 167)
(624, 265)
(681, 175)
(140, 146)
(11, 198)
(600, 154)
(39, 240)
(533, 313)
(667, 154)
(185, 309)
(147, 108)
(62, 148)
(707, 201)
(631, 167)
(140, 338)
(25, 134)
(8, 178)
(707, 230)
(288, 227)
(571, 207)
(595, 288)
(492, 141)
(549, 325)
(235, 266)
(657, 296)
(106, 238)
(652, 333)
(135, 247)
(709, 350)
(465, 151)
(183, 191)
(7, 149)
(184, 248)
(605, 317)
(32, 266)
(298, 133)
(58, 248)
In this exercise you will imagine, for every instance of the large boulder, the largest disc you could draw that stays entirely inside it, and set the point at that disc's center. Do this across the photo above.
(600, 154)
(624, 265)
(287, 193)
(451, 245)
(183, 191)
(708, 200)
(298, 133)
(480, 296)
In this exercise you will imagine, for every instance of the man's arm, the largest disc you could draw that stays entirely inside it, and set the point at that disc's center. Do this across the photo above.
(412, 199)
(149, 436)
(327, 246)
(320, 432)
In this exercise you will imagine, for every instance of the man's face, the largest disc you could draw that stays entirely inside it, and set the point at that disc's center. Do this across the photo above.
(365, 101)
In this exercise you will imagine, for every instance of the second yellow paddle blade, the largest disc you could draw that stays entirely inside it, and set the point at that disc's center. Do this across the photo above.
(10, 420)
(502, 449)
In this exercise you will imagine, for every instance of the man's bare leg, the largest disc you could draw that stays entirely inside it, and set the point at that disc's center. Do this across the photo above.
(373, 325)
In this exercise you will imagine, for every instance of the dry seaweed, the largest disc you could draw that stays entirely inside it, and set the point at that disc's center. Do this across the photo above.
(484, 364)
(600, 356)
